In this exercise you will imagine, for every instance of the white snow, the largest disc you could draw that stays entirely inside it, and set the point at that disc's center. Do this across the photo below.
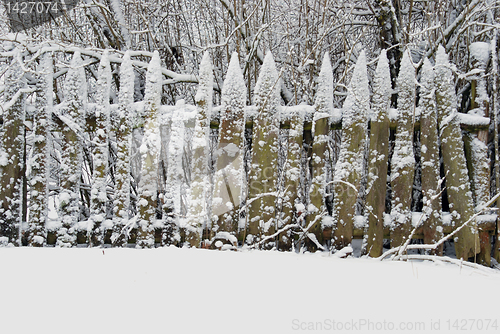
(234, 90)
(4, 158)
(480, 51)
(393, 114)
(381, 98)
(118, 15)
(473, 120)
(172, 290)
(354, 113)
(267, 88)
(360, 222)
(324, 95)
(205, 86)
(230, 147)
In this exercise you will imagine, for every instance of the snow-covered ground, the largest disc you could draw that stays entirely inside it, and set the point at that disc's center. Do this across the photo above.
(172, 290)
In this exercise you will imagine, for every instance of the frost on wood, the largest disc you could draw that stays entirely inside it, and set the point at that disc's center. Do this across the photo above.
(321, 155)
(175, 173)
(263, 176)
(476, 153)
(349, 167)
(476, 149)
(455, 167)
(72, 115)
(98, 196)
(123, 133)
(476, 143)
(12, 153)
(494, 118)
(403, 160)
(293, 209)
(479, 54)
(378, 157)
(198, 211)
(478, 165)
(429, 158)
(149, 150)
(229, 174)
(39, 176)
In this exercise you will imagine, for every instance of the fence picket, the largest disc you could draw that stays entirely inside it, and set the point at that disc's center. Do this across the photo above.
(349, 167)
(378, 156)
(403, 160)
(455, 167)
(149, 150)
(263, 176)
(229, 174)
(198, 211)
(429, 159)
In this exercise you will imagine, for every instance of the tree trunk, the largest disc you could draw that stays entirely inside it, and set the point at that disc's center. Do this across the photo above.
(390, 35)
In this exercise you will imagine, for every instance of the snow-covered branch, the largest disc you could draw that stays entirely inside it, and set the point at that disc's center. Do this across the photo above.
(442, 240)
(38, 50)
(14, 99)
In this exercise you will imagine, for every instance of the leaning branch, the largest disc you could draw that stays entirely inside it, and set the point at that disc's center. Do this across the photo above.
(442, 240)
(439, 259)
(447, 33)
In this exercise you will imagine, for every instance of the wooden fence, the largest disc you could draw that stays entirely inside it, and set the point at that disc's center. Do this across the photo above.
(263, 175)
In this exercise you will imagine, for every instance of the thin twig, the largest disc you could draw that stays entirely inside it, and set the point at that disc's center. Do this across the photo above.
(442, 240)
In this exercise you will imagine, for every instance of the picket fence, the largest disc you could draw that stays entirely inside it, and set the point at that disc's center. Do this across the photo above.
(269, 176)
